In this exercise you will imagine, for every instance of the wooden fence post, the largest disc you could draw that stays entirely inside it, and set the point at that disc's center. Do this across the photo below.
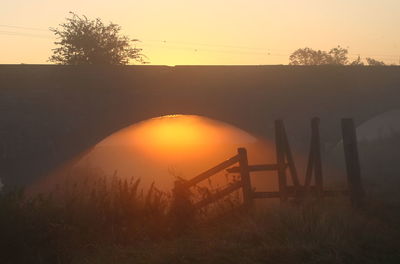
(352, 162)
(182, 210)
(245, 177)
(280, 160)
(289, 156)
(314, 160)
(319, 184)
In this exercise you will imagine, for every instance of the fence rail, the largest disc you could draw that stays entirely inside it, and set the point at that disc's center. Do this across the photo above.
(261, 167)
(219, 194)
(214, 170)
(285, 163)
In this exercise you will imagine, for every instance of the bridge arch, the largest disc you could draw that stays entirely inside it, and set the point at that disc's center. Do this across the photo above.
(49, 114)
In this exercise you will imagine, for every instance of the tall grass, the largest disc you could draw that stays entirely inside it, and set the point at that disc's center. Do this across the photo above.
(43, 228)
(108, 220)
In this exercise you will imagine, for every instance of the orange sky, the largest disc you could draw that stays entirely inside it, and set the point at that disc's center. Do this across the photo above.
(213, 31)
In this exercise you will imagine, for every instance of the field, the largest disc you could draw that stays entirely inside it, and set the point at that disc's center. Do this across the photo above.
(99, 221)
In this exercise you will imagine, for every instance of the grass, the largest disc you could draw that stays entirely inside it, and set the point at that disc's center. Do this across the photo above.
(99, 221)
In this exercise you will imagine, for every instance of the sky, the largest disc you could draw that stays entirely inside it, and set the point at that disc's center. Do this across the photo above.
(212, 32)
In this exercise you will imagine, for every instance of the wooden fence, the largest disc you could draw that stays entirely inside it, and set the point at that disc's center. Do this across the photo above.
(285, 165)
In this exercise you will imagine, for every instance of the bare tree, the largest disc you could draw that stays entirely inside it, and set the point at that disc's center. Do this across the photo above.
(85, 41)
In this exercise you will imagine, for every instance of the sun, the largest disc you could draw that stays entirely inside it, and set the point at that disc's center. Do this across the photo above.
(177, 134)
(174, 138)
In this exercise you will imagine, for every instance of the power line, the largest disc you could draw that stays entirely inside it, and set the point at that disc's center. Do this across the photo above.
(259, 50)
(268, 52)
(14, 33)
(192, 46)
(199, 49)
(24, 28)
(208, 45)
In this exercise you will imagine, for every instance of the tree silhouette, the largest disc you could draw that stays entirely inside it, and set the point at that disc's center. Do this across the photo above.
(85, 41)
(373, 62)
(307, 56)
(357, 62)
(336, 56)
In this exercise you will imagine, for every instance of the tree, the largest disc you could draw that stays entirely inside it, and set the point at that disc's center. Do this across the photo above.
(338, 56)
(307, 56)
(373, 62)
(85, 41)
(357, 62)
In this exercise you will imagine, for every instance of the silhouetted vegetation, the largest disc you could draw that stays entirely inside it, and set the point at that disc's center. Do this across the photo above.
(335, 56)
(373, 62)
(99, 220)
(85, 41)
(357, 62)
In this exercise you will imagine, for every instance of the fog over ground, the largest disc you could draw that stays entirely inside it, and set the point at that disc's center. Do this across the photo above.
(162, 149)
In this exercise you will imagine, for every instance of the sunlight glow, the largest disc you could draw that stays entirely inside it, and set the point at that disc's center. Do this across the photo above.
(159, 149)
(176, 137)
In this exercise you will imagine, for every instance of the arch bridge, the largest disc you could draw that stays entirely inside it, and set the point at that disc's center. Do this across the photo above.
(50, 114)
